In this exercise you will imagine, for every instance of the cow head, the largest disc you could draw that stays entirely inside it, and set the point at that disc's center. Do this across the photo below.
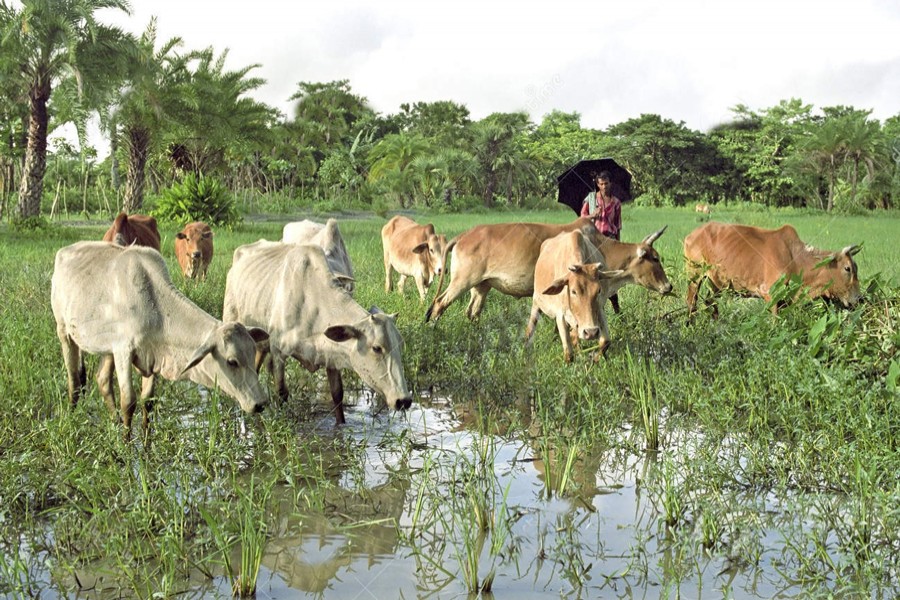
(193, 246)
(373, 347)
(645, 267)
(431, 252)
(842, 281)
(583, 284)
(226, 360)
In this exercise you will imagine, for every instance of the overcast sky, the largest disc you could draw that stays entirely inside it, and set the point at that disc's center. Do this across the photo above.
(685, 60)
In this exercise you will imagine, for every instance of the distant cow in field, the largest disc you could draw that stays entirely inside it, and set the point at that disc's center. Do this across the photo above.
(703, 208)
(412, 250)
(749, 260)
(500, 256)
(328, 237)
(120, 303)
(640, 263)
(291, 291)
(572, 290)
(194, 249)
(130, 230)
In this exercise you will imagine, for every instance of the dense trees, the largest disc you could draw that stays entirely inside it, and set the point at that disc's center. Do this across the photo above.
(167, 112)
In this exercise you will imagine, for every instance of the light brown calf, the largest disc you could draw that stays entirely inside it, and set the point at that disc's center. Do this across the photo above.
(703, 208)
(194, 249)
(750, 260)
(412, 250)
(572, 290)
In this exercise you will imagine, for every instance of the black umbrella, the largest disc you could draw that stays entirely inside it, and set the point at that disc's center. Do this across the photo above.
(578, 181)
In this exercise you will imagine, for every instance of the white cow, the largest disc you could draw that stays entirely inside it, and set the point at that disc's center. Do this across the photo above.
(328, 238)
(290, 290)
(412, 250)
(572, 289)
(120, 303)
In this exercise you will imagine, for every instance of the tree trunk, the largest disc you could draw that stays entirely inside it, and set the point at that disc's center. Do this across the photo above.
(830, 187)
(138, 149)
(31, 188)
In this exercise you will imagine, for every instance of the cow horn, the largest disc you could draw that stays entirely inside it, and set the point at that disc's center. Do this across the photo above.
(654, 236)
(851, 250)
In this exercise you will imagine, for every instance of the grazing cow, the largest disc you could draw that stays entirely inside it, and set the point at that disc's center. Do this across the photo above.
(328, 238)
(640, 262)
(412, 250)
(290, 290)
(139, 230)
(500, 256)
(194, 249)
(750, 260)
(571, 289)
(703, 208)
(120, 303)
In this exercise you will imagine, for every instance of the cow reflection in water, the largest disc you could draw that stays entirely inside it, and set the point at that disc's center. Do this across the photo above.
(310, 550)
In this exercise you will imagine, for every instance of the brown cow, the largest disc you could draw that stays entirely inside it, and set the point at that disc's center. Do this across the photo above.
(194, 249)
(750, 260)
(565, 265)
(412, 250)
(139, 230)
(640, 262)
(500, 256)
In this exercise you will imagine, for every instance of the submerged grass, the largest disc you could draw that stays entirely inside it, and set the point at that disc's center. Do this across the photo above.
(799, 409)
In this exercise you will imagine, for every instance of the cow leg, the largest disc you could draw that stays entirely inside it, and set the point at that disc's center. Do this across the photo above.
(476, 299)
(444, 299)
(563, 329)
(388, 276)
(74, 366)
(277, 366)
(614, 300)
(336, 384)
(532, 322)
(420, 285)
(691, 298)
(105, 382)
(147, 386)
(401, 282)
(127, 399)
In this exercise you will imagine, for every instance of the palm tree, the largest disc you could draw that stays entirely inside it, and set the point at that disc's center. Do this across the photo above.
(862, 141)
(495, 143)
(389, 162)
(50, 39)
(825, 147)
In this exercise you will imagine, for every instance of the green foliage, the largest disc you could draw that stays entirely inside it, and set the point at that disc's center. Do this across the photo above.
(197, 198)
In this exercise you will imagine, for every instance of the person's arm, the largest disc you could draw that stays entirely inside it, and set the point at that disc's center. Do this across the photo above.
(616, 216)
(585, 209)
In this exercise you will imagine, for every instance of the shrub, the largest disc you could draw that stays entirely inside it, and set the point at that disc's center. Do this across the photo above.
(197, 199)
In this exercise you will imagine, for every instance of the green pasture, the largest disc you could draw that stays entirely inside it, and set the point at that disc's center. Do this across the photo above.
(781, 428)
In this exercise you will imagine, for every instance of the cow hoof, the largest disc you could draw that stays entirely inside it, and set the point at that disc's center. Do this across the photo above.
(403, 403)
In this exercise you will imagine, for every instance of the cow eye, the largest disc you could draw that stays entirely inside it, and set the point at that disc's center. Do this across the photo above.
(232, 363)
(377, 349)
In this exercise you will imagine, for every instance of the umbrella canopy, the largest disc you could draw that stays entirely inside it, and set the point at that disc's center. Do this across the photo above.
(578, 181)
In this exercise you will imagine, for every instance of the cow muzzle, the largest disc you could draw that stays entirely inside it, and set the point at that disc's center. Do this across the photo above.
(589, 333)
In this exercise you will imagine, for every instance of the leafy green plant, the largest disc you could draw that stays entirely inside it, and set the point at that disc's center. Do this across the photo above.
(197, 198)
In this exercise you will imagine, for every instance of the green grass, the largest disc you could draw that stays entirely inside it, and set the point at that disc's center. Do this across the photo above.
(802, 407)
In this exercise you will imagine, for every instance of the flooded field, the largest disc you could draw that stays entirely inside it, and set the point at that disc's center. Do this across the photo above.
(430, 504)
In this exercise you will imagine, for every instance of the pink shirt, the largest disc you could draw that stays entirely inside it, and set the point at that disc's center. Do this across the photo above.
(609, 223)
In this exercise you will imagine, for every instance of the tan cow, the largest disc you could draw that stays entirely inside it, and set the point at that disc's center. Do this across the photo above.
(328, 237)
(501, 257)
(703, 208)
(412, 250)
(120, 303)
(640, 263)
(750, 260)
(194, 249)
(290, 290)
(139, 230)
(572, 290)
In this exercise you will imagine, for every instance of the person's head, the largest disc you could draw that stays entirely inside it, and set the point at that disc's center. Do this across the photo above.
(602, 181)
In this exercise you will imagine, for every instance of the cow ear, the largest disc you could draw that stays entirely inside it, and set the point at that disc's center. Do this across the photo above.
(344, 281)
(420, 248)
(654, 236)
(180, 235)
(617, 274)
(199, 355)
(207, 235)
(556, 287)
(342, 333)
(258, 335)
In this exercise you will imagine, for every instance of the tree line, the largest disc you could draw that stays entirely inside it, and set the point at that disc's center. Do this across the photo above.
(168, 113)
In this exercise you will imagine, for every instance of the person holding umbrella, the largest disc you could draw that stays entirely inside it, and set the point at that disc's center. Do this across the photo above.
(606, 212)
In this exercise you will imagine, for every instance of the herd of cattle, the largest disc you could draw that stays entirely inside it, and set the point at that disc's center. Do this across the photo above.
(294, 298)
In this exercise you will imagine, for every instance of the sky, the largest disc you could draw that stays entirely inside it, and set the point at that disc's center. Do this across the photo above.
(689, 61)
